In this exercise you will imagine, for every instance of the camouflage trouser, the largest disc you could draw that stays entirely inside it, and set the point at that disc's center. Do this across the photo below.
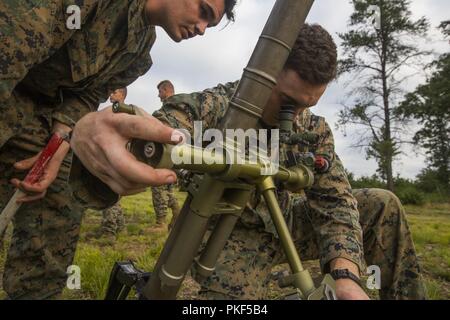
(244, 267)
(163, 197)
(45, 232)
(113, 220)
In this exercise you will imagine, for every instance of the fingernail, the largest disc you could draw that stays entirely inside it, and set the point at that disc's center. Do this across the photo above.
(171, 179)
(177, 137)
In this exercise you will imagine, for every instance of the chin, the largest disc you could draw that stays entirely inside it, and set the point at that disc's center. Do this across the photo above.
(176, 37)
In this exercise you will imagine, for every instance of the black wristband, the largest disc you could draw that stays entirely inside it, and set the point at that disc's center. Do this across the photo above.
(345, 274)
(67, 136)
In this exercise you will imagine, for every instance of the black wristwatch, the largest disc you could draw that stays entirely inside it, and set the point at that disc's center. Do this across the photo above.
(345, 274)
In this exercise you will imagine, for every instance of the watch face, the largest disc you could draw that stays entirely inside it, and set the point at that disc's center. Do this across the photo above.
(339, 272)
(343, 273)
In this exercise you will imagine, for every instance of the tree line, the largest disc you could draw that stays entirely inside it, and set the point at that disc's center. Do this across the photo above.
(380, 53)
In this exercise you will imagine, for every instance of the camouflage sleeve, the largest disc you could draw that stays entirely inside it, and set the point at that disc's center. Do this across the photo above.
(75, 106)
(209, 106)
(30, 31)
(335, 215)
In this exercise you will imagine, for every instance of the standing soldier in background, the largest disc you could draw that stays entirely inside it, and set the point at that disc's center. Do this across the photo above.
(113, 219)
(164, 196)
(165, 90)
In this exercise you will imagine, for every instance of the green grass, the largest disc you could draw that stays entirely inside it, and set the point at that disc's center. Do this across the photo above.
(96, 255)
(430, 226)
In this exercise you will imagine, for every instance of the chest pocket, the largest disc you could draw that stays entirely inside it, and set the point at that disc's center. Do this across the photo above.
(114, 40)
(81, 57)
(95, 59)
(102, 48)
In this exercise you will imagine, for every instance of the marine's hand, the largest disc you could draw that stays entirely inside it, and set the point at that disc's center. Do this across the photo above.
(100, 138)
(347, 289)
(38, 190)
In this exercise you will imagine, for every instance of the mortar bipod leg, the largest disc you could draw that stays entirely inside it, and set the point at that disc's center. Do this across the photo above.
(177, 255)
(206, 262)
(300, 278)
(208, 196)
(234, 199)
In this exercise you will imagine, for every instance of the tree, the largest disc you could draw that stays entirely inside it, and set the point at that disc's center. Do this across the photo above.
(429, 104)
(378, 53)
(445, 26)
(429, 181)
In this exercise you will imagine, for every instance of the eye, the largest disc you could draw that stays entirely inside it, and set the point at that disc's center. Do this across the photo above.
(288, 100)
(203, 12)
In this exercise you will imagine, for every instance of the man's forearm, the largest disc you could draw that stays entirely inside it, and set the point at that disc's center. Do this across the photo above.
(60, 127)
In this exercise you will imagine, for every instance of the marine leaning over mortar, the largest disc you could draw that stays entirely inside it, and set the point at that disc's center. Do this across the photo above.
(346, 230)
(50, 77)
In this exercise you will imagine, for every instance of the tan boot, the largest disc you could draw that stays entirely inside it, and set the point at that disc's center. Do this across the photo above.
(160, 225)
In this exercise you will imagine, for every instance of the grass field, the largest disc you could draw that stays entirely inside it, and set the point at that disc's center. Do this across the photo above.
(430, 225)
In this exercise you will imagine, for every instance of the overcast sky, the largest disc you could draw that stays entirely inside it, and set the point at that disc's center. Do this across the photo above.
(222, 53)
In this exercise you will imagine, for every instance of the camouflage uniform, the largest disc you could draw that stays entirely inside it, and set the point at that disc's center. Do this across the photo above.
(48, 73)
(113, 220)
(326, 220)
(45, 232)
(163, 197)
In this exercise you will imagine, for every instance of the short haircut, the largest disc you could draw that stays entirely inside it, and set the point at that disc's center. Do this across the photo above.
(124, 91)
(167, 84)
(229, 9)
(314, 55)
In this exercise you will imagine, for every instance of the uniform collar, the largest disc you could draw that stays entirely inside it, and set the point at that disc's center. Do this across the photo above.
(302, 118)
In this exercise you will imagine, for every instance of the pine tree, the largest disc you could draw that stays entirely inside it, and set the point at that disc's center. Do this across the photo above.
(429, 104)
(378, 50)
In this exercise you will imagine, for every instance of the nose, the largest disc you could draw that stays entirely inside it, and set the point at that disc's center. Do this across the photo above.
(200, 28)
